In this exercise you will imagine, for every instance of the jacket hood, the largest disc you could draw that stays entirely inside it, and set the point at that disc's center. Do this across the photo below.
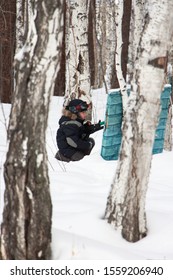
(64, 119)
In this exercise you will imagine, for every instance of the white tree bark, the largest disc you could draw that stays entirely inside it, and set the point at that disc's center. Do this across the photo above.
(137, 25)
(106, 40)
(126, 202)
(101, 15)
(118, 63)
(110, 43)
(26, 227)
(77, 58)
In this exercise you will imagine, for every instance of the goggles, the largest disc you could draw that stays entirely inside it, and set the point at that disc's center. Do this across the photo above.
(78, 108)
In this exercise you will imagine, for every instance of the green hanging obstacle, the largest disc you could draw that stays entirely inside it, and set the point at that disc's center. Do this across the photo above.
(112, 134)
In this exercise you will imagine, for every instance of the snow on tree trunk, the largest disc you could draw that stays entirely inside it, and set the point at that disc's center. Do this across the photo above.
(26, 226)
(77, 57)
(126, 202)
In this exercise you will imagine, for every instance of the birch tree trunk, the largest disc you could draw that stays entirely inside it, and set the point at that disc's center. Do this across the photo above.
(26, 226)
(136, 28)
(110, 45)
(59, 89)
(126, 202)
(77, 57)
(22, 8)
(106, 41)
(93, 45)
(118, 57)
(118, 23)
(100, 21)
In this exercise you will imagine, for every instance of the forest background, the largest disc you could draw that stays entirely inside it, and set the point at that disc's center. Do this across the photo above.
(67, 48)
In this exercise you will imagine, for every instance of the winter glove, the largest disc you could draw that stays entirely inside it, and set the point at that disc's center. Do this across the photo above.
(91, 128)
(88, 127)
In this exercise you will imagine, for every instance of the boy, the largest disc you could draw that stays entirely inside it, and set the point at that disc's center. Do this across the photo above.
(72, 136)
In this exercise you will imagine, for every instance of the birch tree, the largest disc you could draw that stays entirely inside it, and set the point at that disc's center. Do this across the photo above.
(93, 45)
(117, 41)
(121, 75)
(125, 208)
(77, 57)
(101, 27)
(136, 28)
(111, 43)
(26, 226)
(106, 42)
(22, 7)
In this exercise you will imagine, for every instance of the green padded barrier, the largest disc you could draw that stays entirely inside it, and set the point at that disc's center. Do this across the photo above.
(112, 134)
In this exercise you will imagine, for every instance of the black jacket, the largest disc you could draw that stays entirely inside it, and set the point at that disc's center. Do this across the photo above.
(71, 136)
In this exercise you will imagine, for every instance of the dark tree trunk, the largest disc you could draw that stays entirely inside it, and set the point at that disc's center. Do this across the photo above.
(59, 89)
(7, 47)
(125, 35)
(125, 40)
(93, 45)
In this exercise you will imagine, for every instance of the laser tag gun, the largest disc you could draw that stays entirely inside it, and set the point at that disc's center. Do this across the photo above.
(102, 123)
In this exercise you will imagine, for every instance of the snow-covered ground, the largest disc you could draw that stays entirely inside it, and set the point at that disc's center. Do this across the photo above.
(79, 192)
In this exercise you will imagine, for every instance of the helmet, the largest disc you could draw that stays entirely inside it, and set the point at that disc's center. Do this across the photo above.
(76, 106)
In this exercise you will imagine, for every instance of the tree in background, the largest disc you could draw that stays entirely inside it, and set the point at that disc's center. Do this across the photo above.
(59, 89)
(108, 57)
(105, 30)
(168, 130)
(101, 15)
(22, 21)
(7, 48)
(37, 65)
(92, 45)
(112, 28)
(126, 202)
(77, 58)
(26, 226)
(123, 15)
(100, 38)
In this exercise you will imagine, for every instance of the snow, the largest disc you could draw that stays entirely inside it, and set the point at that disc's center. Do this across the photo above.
(79, 193)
